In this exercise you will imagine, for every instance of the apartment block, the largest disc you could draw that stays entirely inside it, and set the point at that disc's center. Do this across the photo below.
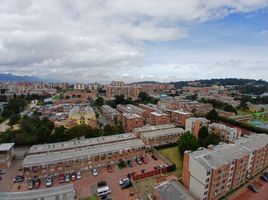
(161, 137)
(211, 173)
(146, 128)
(82, 115)
(147, 109)
(193, 124)
(257, 145)
(158, 118)
(65, 160)
(110, 113)
(79, 86)
(129, 108)
(226, 133)
(179, 117)
(6, 154)
(131, 121)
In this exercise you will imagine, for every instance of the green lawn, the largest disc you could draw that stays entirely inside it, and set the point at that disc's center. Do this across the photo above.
(172, 153)
(91, 198)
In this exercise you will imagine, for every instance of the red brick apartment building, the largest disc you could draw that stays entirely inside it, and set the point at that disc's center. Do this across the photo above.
(147, 110)
(6, 154)
(158, 118)
(226, 133)
(129, 108)
(110, 113)
(211, 173)
(66, 157)
(131, 121)
(193, 124)
(179, 117)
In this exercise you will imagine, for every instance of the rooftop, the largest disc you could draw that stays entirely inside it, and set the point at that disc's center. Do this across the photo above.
(58, 192)
(6, 146)
(152, 128)
(79, 143)
(253, 142)
(164, 132)
(218, 156)
(66, 155)
(131, 115)
(171, 190)
(158, 114)
(181, 112)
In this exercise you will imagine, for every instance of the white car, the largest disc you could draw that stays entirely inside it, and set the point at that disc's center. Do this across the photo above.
(94, 172)
(123, 180)
(49, 181)
(78, 175)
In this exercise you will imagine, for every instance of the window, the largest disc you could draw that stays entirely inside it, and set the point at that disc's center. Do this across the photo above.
(208, 173)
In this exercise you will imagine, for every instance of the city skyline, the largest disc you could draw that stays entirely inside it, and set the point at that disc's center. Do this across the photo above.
(119, 40)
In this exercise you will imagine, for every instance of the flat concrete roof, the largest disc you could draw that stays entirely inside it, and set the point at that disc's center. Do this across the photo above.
(172, 190)
(6, 146)
(253, 142)
(131, 115)
(66, 155)
(59, 192)
(218, 156)
(164, 132)
(158, 114)
(151, 128)
(79, 143)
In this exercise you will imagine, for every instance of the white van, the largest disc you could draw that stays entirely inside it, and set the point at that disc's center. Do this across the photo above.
(103, 191)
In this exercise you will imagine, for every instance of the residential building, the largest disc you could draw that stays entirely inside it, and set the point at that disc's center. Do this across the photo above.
(129, 108)
(211, 173)
(147, 109)
(161, 137)
(110, 113)
(178, 117)
(6, 154)
(82, 159)
(131, 121)
(82, 115)
(158, 118)
(171, 190)
(193, 124)
(226, 133)
(146, 128)
(79, 86)
(58, 192)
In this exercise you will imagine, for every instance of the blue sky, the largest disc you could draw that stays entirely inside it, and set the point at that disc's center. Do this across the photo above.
(124, 40)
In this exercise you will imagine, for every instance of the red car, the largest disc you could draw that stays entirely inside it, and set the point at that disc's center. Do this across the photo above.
(73, 177)
(144, 160)
(37, 183)
(109, 168)
(61, 178)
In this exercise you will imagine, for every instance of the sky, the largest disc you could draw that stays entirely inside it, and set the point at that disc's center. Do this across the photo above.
(159, 40)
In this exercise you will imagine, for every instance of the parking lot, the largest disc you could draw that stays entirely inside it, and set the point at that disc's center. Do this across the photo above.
(246, 194)
(87, 185)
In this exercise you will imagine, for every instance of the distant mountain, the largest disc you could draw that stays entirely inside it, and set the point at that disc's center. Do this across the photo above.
(11, 77)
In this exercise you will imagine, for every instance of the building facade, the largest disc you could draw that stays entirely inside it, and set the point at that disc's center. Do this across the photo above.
(194, 124)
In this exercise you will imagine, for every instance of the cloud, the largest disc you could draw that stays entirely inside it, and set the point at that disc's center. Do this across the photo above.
(98, 40)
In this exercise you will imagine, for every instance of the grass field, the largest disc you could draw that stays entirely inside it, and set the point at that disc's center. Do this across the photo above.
(172, 153)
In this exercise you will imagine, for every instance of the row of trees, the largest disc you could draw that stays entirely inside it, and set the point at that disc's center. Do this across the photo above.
(34, 130)
(189, 142)
(220, 105)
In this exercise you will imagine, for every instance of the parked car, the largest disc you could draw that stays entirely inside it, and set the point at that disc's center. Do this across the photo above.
(264, 178)
(157, 167)
(154, 157)
(94, 172)
(129, 163)
(18, 179)
(144, 160)
(123, 180)
(109, 168)
(49, 181)
(253, 188)
(73, 176)
(138, 161)
(2, 171)
(36, 183)
(61, 178)
(101, 184)
(78, 175)
(126, 185)
(30, 184)
(67, 178)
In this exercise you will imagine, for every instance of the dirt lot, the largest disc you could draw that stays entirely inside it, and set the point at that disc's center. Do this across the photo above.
(87, 184)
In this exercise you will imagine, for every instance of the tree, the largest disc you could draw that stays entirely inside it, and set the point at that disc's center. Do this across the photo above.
(143, 96)
(230, 108)
(14, 118)
(211, 139)
(213, 116)
(99, 101)
(187, 142)
(108, 130)
(203, 133)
